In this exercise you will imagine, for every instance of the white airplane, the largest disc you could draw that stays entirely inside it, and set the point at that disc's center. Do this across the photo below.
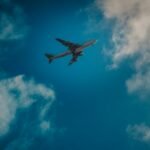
(75, 50)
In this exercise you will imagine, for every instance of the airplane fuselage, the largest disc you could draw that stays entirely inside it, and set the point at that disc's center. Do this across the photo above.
(73, 49)
(85, 45)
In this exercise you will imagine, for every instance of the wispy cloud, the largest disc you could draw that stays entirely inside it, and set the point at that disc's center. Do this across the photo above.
(139, 132)
(20, 143)
(13, 28)
(130, 38)
(140, 84)
(45, 126)
(12, 22)
(18, 93)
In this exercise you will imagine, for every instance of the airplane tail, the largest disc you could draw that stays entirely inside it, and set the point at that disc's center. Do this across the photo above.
(50, 57)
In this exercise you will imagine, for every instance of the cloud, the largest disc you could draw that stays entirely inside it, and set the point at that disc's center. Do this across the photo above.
(139, 132)
(140, 84)
(45, 126)
(12, 22)
(13, 28)
(21, 143)
(130, 38)
(18, 93)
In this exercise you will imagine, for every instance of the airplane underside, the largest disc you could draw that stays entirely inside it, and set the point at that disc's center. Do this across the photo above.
(75, 50)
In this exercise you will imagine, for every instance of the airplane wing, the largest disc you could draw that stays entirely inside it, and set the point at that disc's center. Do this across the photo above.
(74, 59)
(68, 44)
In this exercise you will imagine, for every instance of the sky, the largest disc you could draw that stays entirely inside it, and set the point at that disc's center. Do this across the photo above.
(99, 102)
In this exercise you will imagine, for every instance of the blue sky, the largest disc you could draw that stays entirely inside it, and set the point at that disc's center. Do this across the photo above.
(100, 102)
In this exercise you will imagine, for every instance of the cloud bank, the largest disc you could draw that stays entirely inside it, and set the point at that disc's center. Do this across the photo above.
(17, 93)
(131, 43)
(131, 39)
(25, 105)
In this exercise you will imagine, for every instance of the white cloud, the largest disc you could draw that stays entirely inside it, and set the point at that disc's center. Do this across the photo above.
(18, 93)
(131, 38)
(45, 126)
(140, 84)
(12, 24)
(131, 41)
(139, 132)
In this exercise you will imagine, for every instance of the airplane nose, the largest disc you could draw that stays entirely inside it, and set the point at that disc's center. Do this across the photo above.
(95, 41)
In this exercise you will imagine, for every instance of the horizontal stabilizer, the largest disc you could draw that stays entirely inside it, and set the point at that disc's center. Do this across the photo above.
(50, 57)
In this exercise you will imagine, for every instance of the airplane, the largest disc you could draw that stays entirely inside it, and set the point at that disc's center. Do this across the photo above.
(75, 50)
